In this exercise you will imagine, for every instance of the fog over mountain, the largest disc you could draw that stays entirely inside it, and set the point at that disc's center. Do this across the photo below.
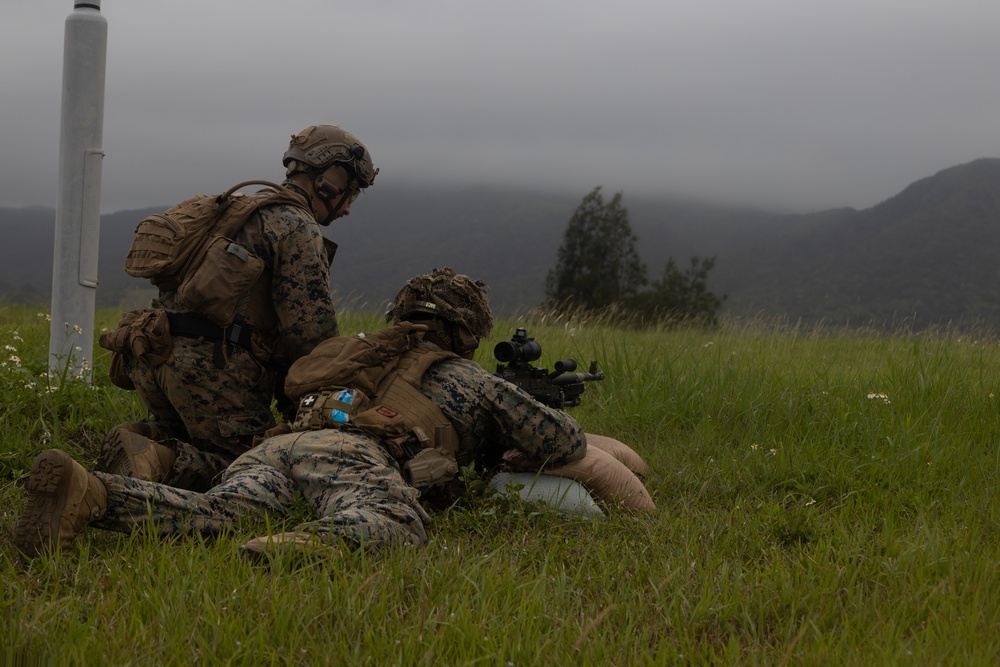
(926, 255)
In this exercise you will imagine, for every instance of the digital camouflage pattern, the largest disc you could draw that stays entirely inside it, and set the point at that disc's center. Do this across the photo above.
(213, 414)
(351, 483)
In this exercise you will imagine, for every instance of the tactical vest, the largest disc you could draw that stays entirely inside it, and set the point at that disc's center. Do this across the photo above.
(372, 383)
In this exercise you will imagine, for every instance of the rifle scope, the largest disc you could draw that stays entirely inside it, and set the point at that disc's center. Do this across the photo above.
(519, 349)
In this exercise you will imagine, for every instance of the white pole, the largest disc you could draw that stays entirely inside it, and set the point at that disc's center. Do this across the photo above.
(78, 215)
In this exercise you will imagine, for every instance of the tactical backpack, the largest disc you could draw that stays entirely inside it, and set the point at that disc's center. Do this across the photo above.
(372, 382)
(188, 249)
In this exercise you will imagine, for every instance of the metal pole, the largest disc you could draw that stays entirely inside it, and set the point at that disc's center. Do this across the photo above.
(78, 215)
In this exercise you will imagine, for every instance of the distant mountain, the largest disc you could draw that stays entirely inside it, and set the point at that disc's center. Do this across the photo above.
(924, 256)
(927, 255)
(26, 254)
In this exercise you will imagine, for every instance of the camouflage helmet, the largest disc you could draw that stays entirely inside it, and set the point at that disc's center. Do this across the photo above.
(447, 295)
(320, 146)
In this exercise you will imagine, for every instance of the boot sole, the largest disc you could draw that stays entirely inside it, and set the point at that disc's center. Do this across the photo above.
(49, 486)
(119, 458)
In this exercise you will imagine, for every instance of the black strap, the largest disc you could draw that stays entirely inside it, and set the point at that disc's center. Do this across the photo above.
(193, 325)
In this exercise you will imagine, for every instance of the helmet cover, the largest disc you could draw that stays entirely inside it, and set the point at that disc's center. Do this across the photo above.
(447, 295)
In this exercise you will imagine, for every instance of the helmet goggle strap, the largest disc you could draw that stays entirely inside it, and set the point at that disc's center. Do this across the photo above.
(465, 342)
(336, 181)
(348, 195)
(455, 337)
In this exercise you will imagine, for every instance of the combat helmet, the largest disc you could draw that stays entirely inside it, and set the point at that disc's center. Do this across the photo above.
(320, 146)
(445, 295)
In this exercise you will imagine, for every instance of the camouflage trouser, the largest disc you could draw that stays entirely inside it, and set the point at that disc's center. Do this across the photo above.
(208, 415)
(352, 484)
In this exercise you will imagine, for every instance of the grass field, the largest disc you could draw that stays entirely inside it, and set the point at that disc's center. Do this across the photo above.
(824, 498)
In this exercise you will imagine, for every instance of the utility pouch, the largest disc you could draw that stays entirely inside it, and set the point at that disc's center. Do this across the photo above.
(117, 342)
(217, 287)
(329, 408)
(430, 467)
(153, 251)
(143, 334)
(149, 336)
(117, 371)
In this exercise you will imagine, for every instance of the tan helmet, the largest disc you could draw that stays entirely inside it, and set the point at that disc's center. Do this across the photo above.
(320, 146)
(447, 295)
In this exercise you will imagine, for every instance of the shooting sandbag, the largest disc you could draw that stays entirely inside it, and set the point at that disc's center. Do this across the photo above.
(620, 451)
(564, 495)
(602, 472)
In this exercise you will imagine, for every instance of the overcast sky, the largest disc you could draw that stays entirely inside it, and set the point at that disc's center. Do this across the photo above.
(795, 105)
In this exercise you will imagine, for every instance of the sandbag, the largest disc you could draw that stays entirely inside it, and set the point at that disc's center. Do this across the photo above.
(604, 476)
(564, 495)
(620, 451)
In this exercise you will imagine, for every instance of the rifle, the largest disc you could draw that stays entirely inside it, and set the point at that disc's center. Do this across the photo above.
(558, 389)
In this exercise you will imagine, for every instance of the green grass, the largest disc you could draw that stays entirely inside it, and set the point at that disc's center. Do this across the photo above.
(823, 497)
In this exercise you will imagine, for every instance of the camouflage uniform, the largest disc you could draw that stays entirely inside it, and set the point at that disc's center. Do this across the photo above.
(351, 482)
(210, 415)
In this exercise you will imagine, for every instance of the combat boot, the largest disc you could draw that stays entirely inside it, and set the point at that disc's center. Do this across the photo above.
(128, 451)
(146, 429)
(298, 543)
(62, 499)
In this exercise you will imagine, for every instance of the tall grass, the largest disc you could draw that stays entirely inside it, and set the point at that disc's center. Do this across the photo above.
(824, 497)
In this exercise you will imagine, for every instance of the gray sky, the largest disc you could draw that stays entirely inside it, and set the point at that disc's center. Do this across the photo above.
(783, 103)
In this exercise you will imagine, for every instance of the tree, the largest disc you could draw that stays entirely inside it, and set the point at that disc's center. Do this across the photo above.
(680, 295)
(597, 264)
